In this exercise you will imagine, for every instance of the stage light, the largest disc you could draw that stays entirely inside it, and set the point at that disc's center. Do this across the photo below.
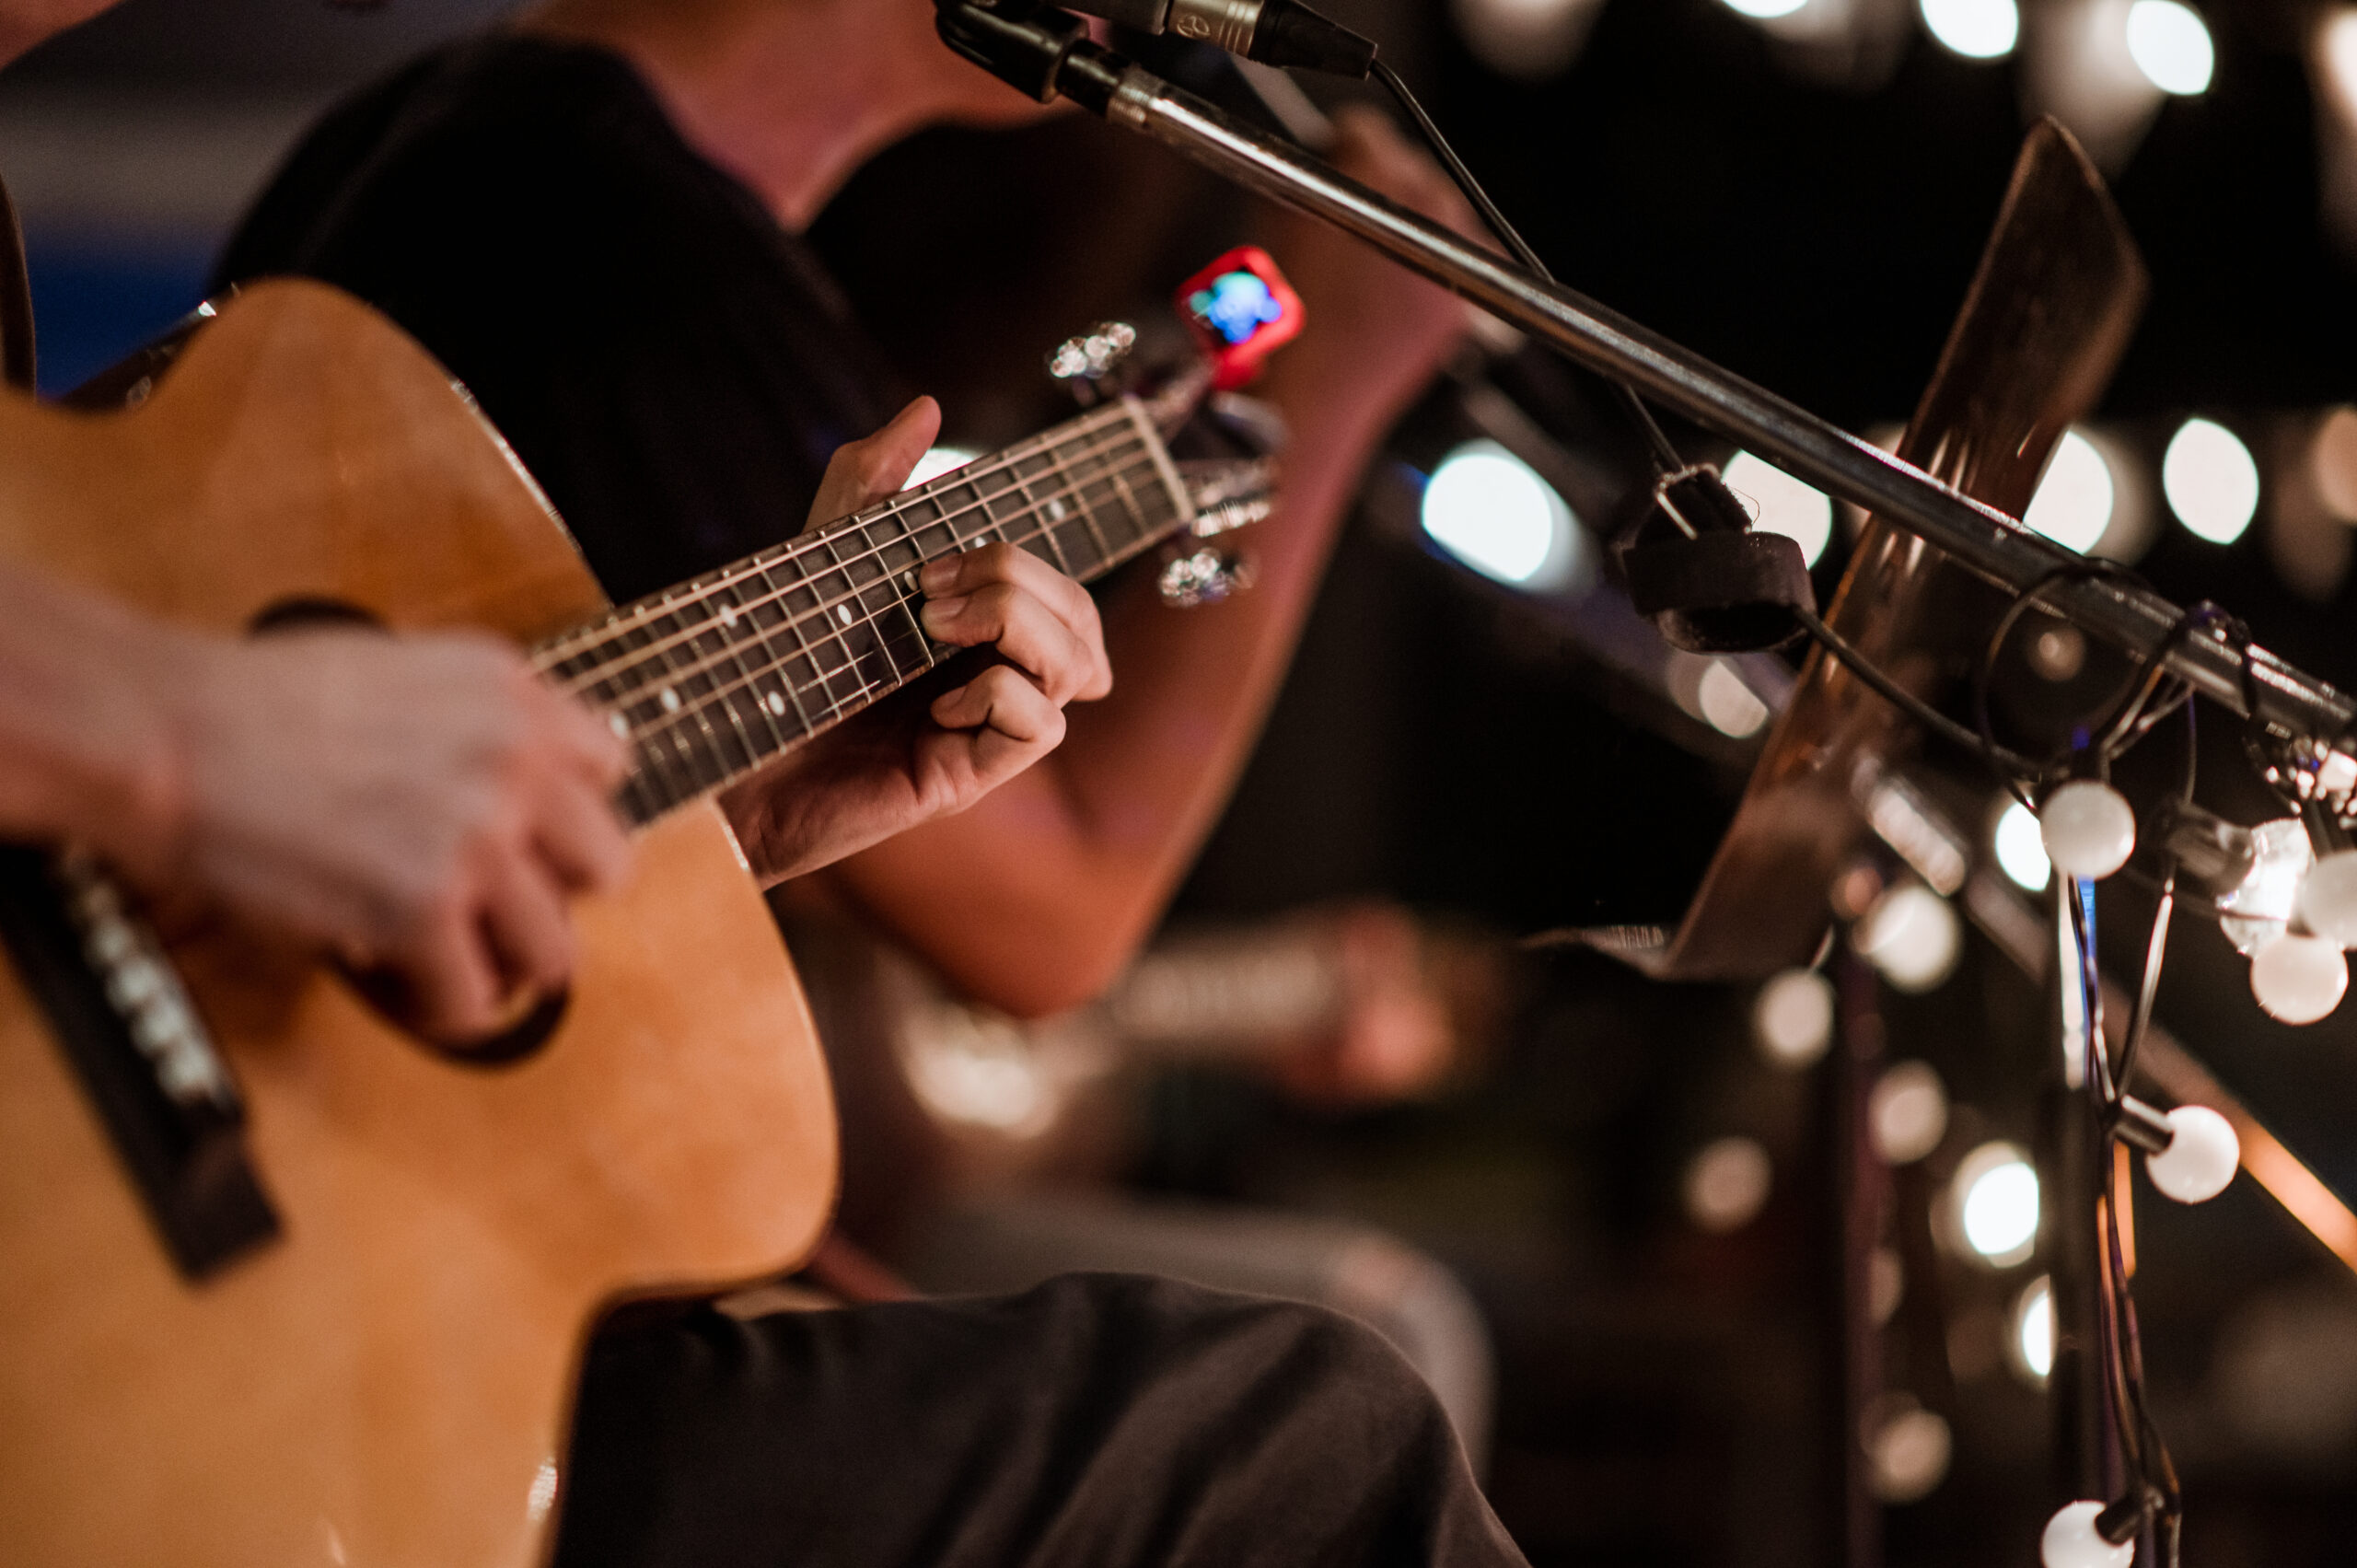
(1910, 1451)
(1491, 511)
(1907, 1112)
(2021, 848)
(2200, 1159)
(1995, 1193)
(2075, 501)
(2211, 481)
(2087, 829)
(1792, 1019)
(939, 460)
(1765, 10)
(1978, 29)
(2171, 45)
(2071, 1540)
(2299, 980)
(2033, 1338)
(1726, 1184)
(1800, 512)
(1912, 936)
(1728, 706)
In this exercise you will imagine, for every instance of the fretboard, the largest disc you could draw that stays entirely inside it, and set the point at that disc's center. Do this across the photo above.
(714, 678)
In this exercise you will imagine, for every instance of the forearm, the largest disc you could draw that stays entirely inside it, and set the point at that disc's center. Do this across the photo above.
(1037, 897)
(84, 750)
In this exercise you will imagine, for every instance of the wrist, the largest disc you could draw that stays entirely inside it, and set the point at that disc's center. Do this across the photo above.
(140, 799)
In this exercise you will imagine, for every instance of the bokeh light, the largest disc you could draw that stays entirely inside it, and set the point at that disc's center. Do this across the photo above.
(2032, 1342)
(2170, 43)
(2212, 481)
(1978, 29)
(2020, 844)
(1912, 936)
(939, 460)
(1995, 1193)
(1800, 512)
(1765, 10)
(1792, 1019)
(2075, 501)
(1491, 511)
(1726, 1184)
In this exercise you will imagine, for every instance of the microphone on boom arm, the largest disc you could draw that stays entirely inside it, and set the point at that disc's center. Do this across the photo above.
(1284, 33)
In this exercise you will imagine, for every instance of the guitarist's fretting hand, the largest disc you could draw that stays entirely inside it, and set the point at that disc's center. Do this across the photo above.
(902, 764)
(420, 805)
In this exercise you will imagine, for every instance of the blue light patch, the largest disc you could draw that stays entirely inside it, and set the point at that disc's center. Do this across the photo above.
(1236, 305)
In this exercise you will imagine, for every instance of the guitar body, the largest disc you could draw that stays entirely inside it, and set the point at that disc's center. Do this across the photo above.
(388, 1382)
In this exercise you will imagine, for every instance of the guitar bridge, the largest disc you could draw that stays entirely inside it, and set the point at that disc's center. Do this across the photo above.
(132, 1036)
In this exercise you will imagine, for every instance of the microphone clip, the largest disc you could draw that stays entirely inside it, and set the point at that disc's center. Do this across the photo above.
(1033, 47)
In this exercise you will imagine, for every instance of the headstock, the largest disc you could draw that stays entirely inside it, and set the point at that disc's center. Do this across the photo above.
(1236, 312)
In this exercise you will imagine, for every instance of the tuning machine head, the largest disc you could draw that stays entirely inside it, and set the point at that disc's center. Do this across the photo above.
(1202, 577)
(1094, 364)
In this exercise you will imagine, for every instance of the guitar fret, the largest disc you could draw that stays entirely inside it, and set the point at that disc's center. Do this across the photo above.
(718, 676)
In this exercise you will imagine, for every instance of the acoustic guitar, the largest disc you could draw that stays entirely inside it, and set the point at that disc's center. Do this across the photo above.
(318, 1298)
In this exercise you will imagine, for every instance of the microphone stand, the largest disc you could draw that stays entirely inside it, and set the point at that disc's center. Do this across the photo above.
(1046, 54)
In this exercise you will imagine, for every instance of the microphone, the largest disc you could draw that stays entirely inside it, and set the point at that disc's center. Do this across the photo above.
(1284, 33)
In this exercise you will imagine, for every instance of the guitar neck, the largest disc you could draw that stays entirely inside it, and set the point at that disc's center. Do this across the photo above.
(714, 678)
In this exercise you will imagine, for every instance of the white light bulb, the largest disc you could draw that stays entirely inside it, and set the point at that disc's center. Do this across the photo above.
(2200, 1158)
(1792, 1019)
(2071, 1540)
(2327, 900)
(2299, 980)
(2088, 829)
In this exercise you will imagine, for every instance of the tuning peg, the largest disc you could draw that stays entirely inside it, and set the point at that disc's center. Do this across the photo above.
(1087, 362)
(1229, 494)
(1205, 576)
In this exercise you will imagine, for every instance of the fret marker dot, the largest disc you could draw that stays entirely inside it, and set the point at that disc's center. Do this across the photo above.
(619, 724)
(728, 615)
(775, 703)
(844, 610)
(1055, 511)
(670, 700)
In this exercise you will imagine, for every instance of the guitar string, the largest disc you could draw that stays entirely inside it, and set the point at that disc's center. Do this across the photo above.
(569, 643)
(826, 611)
(837, 707)
(657, 658)
(737, 571)
(631, 660)
(667, 750)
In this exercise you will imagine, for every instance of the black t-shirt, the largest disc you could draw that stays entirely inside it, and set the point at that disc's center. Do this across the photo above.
(673, 366)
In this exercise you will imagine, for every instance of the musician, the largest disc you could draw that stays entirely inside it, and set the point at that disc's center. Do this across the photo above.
(593, 219)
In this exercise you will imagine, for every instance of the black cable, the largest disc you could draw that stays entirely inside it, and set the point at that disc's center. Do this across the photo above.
(1923, 712)
(1666, 457)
